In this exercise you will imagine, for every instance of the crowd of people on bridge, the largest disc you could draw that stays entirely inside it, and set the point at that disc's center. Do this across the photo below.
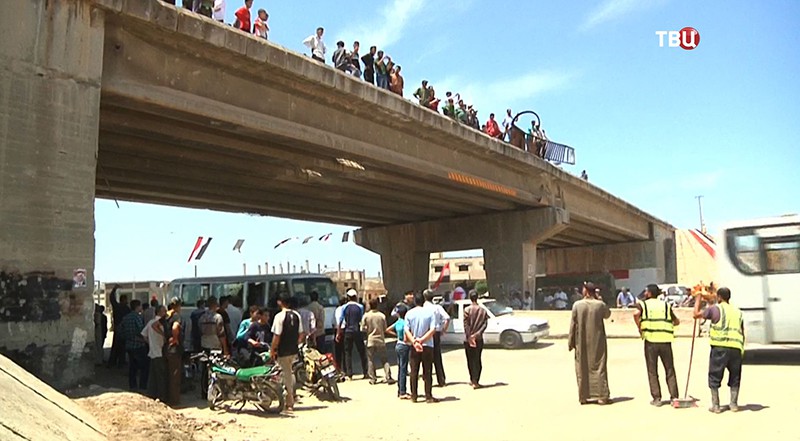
(378, 68)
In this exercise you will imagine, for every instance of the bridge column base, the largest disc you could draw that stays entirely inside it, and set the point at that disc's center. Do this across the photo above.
(49, 123)
(508, 239)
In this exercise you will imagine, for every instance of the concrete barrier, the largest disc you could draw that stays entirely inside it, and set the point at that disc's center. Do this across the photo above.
(619, 325)
(33, 410)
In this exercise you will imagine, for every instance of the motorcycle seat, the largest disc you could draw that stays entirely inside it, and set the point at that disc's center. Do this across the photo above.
(245, 374)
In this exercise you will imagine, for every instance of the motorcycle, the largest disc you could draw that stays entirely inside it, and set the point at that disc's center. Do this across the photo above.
(261, 385)
(317, 372)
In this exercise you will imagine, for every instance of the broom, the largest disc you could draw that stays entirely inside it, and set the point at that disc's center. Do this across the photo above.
(687, 401)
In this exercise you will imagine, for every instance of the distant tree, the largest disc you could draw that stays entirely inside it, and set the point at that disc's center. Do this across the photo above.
(482, 287)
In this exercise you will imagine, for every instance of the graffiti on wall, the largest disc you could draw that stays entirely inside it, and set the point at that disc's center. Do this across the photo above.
(36, 297)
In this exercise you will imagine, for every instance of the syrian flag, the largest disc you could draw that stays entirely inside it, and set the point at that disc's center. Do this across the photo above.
(282, 242)
(305, 241)
(346, 236)
(444, 276)
(203, 249)
(238, 246)
(196, 246)
(325, 237)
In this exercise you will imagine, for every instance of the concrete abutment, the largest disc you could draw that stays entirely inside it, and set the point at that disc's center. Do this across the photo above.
(50, 78)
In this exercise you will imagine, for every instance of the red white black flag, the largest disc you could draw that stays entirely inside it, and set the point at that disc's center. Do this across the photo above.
(444, 276)
(196, 246)
(203, 249)
(346, 236)
(305, 241)
(325, 237)
(282, 242)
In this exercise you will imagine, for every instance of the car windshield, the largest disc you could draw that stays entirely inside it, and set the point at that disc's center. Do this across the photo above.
(328, 296)
(497, 308)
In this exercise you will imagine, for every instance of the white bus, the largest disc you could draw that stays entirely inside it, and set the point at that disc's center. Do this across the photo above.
(759, 260)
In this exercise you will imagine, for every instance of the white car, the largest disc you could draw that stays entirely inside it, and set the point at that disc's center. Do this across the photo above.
(504, 328)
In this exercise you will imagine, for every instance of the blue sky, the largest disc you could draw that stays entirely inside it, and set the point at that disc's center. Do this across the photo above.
(655, 126)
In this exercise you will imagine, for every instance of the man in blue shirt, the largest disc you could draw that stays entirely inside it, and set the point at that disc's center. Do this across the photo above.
(420, 327)
(349, 331)
(442, 321)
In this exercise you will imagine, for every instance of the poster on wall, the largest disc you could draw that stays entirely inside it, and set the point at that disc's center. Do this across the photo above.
(79, 278)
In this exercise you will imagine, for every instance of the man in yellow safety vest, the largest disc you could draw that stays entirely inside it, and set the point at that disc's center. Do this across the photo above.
(727, 346)
(656, 323)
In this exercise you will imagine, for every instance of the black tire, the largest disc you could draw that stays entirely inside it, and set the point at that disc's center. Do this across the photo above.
(300, 378)
(272, 400)
(333, 388)
(510, 340)
(215, 396)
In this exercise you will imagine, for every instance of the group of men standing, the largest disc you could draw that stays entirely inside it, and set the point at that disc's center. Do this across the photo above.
(154, 347)
(378, 67)
(656, 322)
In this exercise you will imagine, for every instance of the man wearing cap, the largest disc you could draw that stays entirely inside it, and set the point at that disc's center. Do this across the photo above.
(656, 322)
(349, 331)
(442, 322)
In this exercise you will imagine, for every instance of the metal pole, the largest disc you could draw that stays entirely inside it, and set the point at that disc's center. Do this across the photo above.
(266, 268)
(259, 269)
(195, 270)
(700, 207)
(244, 269)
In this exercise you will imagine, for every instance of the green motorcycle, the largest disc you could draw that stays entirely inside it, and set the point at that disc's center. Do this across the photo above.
(260, 385)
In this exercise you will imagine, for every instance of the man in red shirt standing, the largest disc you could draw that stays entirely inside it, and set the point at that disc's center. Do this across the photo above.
(243, 17)
(492, 129)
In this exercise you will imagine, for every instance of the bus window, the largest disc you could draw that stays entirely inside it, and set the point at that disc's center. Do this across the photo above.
(300, 293)
(233, 289)
(276, 287)
(328, 296)
(782, 256)
(190, 294)
(176, 291)
(745, 251)
(255, 294)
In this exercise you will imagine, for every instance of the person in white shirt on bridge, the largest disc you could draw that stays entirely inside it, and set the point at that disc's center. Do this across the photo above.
(317, 46)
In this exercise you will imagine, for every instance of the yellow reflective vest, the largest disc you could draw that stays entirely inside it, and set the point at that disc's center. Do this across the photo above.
(728, 331)
(656, 322)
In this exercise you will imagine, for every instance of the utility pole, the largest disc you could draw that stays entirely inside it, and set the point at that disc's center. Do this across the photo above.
(700, 207)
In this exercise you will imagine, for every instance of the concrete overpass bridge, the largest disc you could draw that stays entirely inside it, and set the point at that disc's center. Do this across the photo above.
(137, 100)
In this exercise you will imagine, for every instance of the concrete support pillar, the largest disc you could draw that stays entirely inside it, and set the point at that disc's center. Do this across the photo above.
(509, 241)
(510, 267)
(50, 71)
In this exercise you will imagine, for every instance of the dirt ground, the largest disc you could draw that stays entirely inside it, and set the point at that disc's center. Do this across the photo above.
(531, 394)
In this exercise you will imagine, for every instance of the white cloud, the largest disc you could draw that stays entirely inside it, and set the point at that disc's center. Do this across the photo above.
(388, 27)
(611, 10)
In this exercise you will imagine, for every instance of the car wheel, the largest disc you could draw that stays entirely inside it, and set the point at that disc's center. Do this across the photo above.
(510, 340)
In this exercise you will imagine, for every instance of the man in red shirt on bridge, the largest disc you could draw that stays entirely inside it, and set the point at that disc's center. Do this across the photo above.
(492, 129)
(243, 21)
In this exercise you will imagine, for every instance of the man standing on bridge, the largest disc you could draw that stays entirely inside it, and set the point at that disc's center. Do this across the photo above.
(727, 346)
(656, 322)
(317, 46)
(587, 336)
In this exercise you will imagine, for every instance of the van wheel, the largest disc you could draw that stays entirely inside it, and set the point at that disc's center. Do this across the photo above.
(510, 340)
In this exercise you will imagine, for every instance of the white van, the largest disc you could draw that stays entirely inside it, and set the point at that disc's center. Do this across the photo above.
(504, 328)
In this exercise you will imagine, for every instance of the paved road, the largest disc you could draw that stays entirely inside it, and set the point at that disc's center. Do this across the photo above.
(534, 397)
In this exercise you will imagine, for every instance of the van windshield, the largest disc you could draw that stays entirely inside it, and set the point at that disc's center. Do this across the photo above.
(328, 296)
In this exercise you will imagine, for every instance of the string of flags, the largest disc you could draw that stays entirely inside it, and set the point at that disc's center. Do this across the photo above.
(201, 246)
(323, 238)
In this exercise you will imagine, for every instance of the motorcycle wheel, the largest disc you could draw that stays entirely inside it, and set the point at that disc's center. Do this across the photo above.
(300, 379)
(272, 400)
(215, 396)
(333, 388)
